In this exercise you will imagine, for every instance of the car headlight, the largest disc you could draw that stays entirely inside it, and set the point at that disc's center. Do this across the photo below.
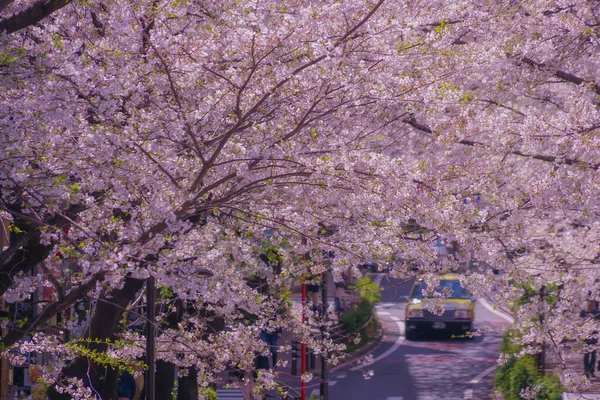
(463, 314)
(414, 314)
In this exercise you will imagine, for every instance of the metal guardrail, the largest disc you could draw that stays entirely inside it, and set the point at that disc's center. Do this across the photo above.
(338, 332)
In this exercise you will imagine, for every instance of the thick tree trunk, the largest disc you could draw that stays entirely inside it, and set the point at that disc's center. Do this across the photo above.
(32, 15)
(165, 371)
(165, 379)
(188, 386)
(27, 251)
(105, 320)
(103, 380)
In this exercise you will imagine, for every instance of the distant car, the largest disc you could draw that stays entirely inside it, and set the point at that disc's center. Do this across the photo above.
(459, 309)
(443, 248)
(374, 267)
(481, 266)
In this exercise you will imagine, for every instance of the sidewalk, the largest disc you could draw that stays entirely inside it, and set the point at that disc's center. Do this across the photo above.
(292, 382)
(574, 362)
(289, 382)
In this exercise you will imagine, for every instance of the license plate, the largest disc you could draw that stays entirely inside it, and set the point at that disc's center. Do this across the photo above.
(439, 325)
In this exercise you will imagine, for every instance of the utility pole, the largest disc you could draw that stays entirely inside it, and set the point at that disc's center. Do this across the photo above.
(150, 338)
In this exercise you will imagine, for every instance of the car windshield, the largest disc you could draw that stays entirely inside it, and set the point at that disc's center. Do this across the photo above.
(447, 288)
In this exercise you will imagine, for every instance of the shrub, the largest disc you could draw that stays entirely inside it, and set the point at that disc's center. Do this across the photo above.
(520, 372)
(208, 393)
(356, 320)
(368, 290)
(356, 317)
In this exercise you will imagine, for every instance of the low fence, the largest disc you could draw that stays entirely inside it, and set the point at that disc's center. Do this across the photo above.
(337, 332)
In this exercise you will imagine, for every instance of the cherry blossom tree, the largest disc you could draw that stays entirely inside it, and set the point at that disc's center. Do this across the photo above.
(137, 136)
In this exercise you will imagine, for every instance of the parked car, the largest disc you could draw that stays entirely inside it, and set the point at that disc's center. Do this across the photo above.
(443, 248)
(459, 308)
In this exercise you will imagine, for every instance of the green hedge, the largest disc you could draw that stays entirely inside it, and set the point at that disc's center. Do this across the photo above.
(356, 317)
(521, 372)
(370, 294)
(356, 320)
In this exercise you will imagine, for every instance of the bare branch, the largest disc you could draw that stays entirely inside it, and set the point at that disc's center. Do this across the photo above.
(565, 76)
(553, 159)
(495, 103)
(360, 23)
(50, 311)
(5, 3)
(159, 165)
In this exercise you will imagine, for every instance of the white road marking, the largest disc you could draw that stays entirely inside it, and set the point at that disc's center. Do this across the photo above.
(487, 305)
(394, 398)
(392, 349)
(395, 319)
(331, 383)
(483, 374)
(383, 313)
(469, 394)
(342, 376)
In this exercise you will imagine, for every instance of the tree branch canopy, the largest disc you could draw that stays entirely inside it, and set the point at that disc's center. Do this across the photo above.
(17, 334)
(201, 138)
(28, 250)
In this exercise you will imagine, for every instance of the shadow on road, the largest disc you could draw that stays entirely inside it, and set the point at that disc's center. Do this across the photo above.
(442, 337)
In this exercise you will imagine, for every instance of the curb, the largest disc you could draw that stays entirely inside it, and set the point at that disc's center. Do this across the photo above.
(372, 345)
(486, 304)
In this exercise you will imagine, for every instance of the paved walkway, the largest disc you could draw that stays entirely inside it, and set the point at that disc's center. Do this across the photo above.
(290, 382)
(575, 362)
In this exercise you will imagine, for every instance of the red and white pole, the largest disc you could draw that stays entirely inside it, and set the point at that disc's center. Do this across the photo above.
(303, 347)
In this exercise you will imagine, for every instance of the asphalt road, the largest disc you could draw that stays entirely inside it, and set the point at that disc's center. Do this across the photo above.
(433, 368)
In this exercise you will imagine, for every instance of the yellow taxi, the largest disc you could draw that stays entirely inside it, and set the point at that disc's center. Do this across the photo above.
(457, 316)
